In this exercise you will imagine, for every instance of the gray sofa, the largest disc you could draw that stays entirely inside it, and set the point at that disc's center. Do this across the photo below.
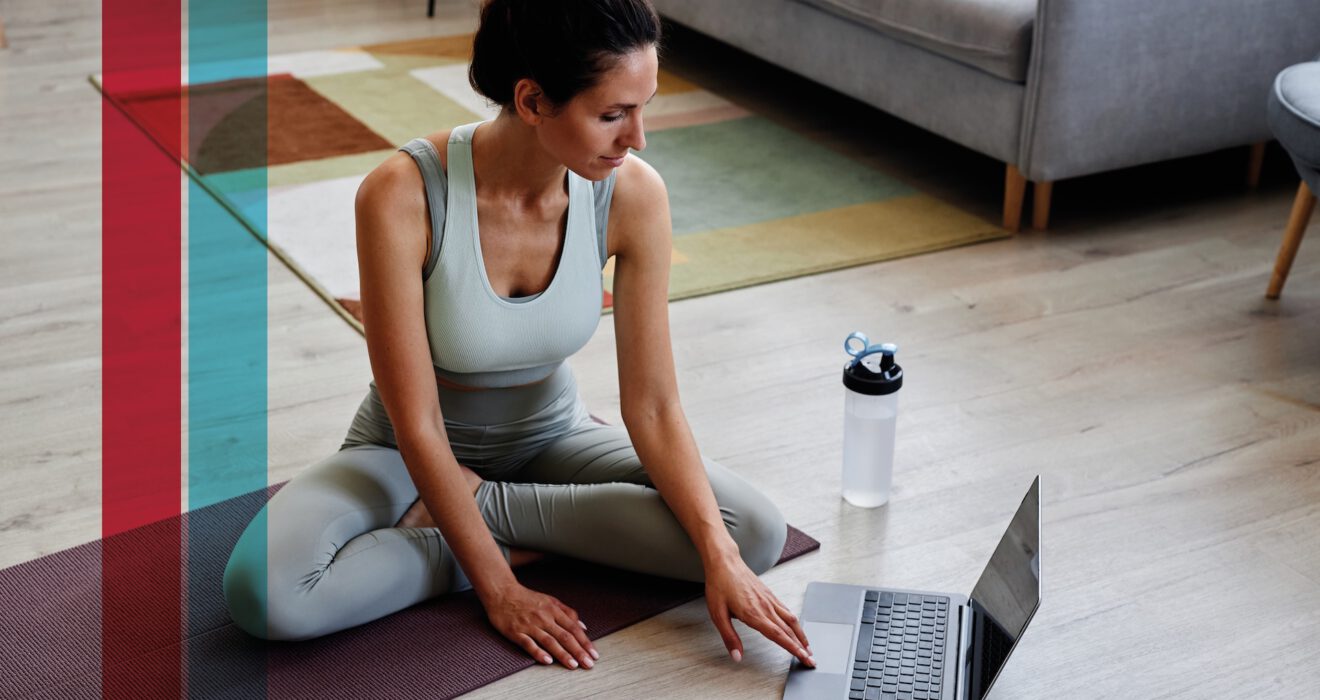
(1053, 88)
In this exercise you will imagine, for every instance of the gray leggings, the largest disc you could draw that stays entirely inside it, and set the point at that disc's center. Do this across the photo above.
(557, 482)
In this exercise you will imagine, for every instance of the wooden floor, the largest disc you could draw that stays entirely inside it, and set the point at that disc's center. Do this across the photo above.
(1128, 356)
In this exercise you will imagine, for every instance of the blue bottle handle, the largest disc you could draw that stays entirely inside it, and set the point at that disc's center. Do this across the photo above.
(866, 347)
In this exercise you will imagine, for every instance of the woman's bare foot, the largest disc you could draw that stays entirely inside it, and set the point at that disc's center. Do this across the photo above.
(418, 516)
(518, 557)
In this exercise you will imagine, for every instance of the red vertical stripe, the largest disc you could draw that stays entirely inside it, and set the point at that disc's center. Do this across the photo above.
(141, 253)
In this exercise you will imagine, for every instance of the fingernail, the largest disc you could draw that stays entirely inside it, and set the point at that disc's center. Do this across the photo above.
(737, 656)
(587, 663)
(572, 663)
(594, 654)
(584, 625)
(545, 659)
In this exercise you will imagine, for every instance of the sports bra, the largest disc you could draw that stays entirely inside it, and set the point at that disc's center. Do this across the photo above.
(477, 337)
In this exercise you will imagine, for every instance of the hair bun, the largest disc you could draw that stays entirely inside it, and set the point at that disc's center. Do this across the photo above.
(564, 45)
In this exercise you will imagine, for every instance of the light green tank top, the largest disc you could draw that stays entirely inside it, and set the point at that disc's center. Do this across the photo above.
(477, 337)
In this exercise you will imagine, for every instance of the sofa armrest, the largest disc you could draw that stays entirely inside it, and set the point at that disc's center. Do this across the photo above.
(1115, 83)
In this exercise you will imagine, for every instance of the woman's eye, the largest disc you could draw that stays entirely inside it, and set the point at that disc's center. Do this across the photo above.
(612, 117)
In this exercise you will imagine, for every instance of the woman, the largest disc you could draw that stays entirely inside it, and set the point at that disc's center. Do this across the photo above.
(480, 252)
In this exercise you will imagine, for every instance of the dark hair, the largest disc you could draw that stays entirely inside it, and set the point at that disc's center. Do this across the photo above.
(564, 45)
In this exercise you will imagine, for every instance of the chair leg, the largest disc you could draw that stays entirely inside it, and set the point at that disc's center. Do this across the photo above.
(1015, 186)
(1303, 205)
(1040, 204)
(1255, 160)
(430, 8)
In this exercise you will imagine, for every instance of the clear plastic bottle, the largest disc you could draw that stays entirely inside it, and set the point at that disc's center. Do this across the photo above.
(870, 419)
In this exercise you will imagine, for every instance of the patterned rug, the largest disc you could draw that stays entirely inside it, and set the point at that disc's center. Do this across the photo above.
(751, 201)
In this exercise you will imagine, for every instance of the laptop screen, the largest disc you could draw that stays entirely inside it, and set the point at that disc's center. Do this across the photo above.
(1005, 597)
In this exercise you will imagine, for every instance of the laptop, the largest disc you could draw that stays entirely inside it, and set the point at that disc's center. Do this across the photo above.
(873, 643)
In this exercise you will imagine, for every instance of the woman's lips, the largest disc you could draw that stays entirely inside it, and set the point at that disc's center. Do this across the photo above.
(614, 162)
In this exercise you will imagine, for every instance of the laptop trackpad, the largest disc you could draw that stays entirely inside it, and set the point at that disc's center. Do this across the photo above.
(830, 644)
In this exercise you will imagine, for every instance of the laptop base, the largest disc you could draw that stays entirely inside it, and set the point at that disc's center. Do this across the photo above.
(832, 618)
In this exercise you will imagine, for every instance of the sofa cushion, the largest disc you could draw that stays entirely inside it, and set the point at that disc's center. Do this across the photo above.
(992, 35)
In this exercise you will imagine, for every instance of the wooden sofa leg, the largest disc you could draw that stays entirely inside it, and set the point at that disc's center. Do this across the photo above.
(1255, 160)
(1015, 186)
(1040, 205)
(1292, 239)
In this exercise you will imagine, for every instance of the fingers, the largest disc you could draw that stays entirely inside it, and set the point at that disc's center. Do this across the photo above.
(770, 624)
(787, 616)
(719, 614)
(564, 638)
(787, 631)
(551, 643)
(545, 628)
(531, 647)
(747, 599)
(575, 626)
(563, 631)
(777, 633)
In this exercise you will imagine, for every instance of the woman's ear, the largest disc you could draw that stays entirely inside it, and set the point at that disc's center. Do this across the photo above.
(529, 102)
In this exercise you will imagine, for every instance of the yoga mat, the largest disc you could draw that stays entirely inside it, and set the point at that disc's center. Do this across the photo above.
(50, 624)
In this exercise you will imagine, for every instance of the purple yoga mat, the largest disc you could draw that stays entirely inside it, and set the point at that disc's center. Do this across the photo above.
(50, 625)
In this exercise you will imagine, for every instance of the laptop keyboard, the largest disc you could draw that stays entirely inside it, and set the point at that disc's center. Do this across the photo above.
(900, 647)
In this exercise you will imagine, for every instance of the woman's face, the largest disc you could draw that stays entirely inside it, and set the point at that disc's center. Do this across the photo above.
(593, 132)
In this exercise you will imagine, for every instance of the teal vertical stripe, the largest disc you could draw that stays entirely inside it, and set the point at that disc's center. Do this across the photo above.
(227, 387)
(226, 266)
(226, 350)
(226, 40)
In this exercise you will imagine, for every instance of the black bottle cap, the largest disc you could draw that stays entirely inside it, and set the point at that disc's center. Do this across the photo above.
(861, 379)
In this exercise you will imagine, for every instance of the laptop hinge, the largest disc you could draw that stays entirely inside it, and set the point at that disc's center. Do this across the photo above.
(964, 650)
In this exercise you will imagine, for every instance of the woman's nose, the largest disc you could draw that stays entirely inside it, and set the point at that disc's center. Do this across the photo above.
(636, 134)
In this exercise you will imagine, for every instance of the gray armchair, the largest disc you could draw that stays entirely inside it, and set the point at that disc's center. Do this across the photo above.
(1294, 114)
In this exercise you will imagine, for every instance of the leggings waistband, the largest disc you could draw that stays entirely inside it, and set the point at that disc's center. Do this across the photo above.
(512, 421)
(486, 407)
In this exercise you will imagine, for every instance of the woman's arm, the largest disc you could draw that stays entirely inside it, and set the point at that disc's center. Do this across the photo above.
(392, 237)
(648, 391)
(642, 241)
(392, 231)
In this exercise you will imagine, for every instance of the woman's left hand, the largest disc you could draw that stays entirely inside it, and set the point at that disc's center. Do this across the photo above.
(733, 591)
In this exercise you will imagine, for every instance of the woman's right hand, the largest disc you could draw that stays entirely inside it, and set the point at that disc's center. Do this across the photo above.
(540, 623)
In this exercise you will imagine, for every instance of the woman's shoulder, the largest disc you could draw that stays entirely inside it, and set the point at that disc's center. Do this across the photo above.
(638, 190)
(639, 207)
(397, 182)
(440, 142)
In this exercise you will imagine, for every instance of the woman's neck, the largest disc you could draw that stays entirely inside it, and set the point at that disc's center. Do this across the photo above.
(509, 164)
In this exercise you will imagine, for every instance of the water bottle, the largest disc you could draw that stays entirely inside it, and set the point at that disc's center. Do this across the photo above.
(872, 381)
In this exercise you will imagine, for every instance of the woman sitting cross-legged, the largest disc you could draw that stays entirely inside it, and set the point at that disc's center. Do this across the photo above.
(480, 252)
